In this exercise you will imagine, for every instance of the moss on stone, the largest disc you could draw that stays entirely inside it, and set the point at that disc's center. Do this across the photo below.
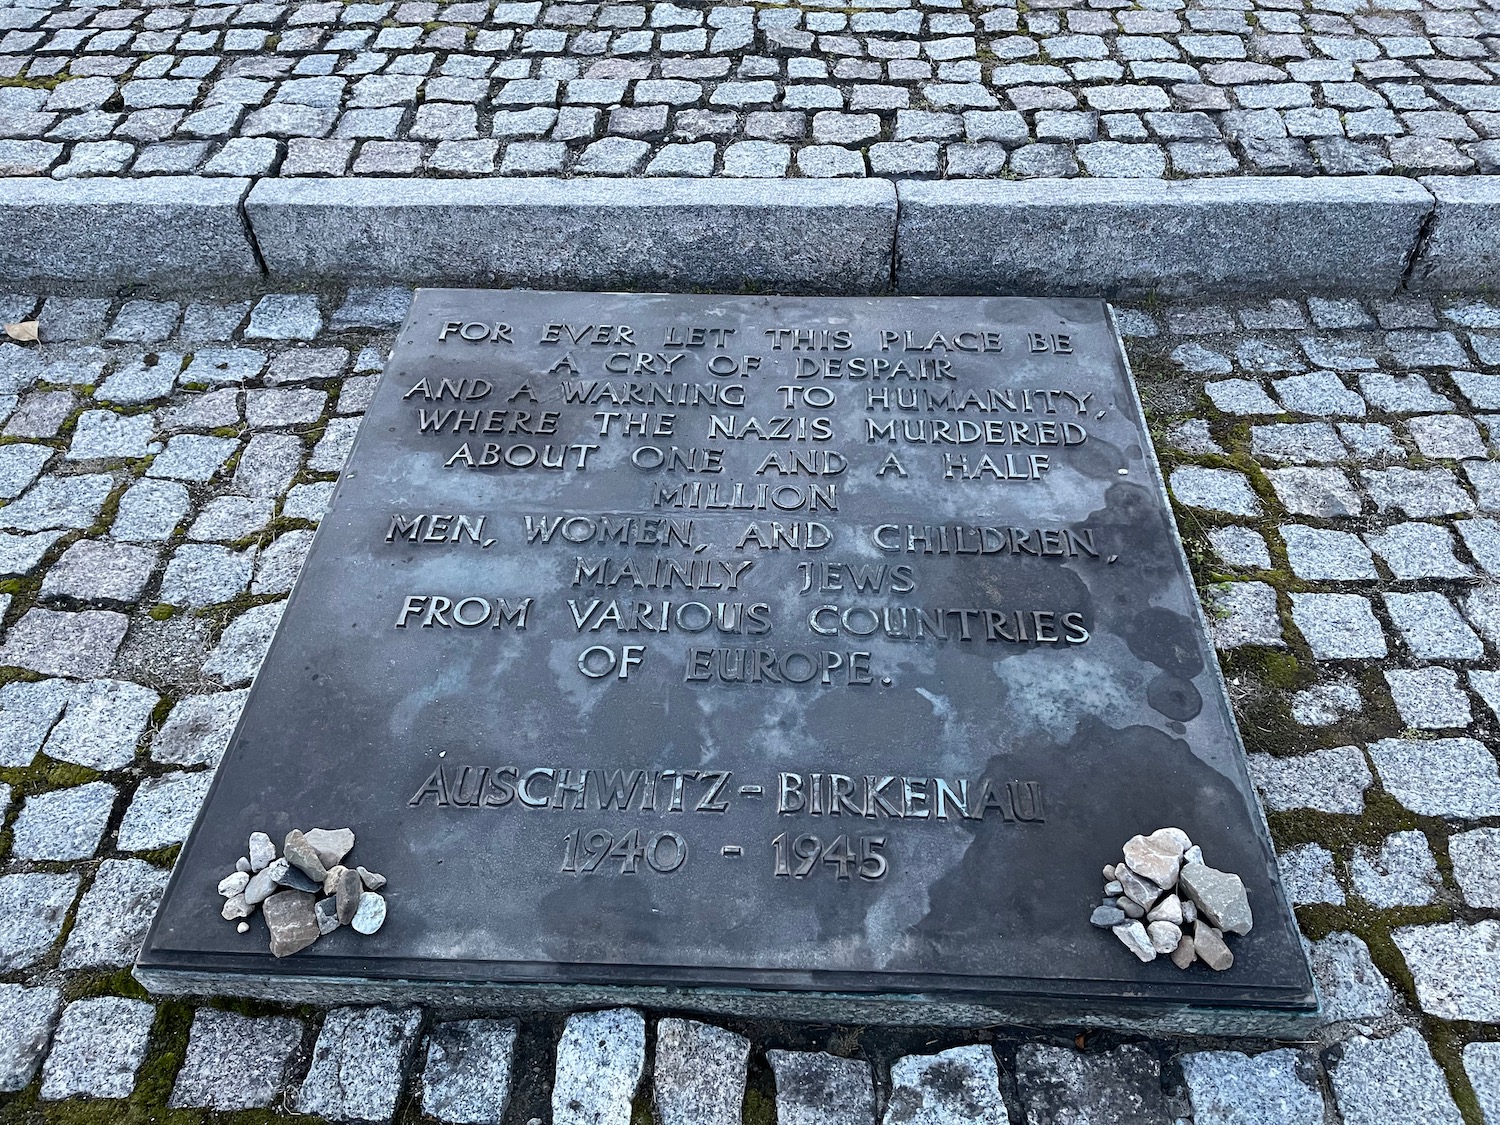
(759, 1107)
(105, 982)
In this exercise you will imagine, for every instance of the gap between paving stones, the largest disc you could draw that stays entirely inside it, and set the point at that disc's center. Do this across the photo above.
(1251, 235)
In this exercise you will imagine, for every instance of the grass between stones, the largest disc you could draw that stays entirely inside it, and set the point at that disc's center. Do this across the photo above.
(1261, 680)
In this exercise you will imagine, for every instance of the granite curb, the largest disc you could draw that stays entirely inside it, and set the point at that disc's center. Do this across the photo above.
(1462, 248)
(751, 235)
(1123, 238)
(1112, 238)
(166, 229)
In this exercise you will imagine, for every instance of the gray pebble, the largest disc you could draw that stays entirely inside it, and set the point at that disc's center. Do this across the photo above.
(1208, 943)
(1184, 955)
(331, 844)
(263, 883)
(371, 913)
(331, 880)
(349, 899)
(297, 880)
(1165, 936)
(1168, 909)
(1219, 896)
(1134, 937)
(1140, 889)
(1107, 916)
(300, 853)
(231, 885)
(262, 851)
(290, 918)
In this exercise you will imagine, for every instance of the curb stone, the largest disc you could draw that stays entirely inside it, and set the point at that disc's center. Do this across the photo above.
(1462, 249)
(797, 236)
(166, 229)
(1124, 237)
(1101, 237)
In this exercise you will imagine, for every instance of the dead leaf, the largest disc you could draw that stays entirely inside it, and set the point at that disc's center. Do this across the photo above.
(23, 332)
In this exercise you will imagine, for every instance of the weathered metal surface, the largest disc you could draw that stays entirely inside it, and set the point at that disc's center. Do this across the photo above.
(877, 555)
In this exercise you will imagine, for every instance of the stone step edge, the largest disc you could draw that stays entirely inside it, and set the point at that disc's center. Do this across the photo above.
(1109, 238)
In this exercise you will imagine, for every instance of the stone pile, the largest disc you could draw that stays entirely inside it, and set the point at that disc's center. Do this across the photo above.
(1164, 899)
(287, 888)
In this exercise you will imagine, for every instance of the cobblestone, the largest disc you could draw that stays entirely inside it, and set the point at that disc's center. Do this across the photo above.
(205, 575)
(64, 823)
(150, 510)
(32, 910)
(1378, 583)
(358, 1063)
(1229, 1088)
(1432, 628)
(1320, 555)
(1429, 698)
(97, 1048)
(815, 1088)
(1456, 968)
(1379, 1080)
(1338, 626)
(600, 1057)
(162, 811)
(192, 457)
(103, 724)
(1159, 95)
(700, 1073)
(467, 1075)
(29, 1015)
(1416, 493)
(91, 571)
(261, 1051)
(113, 915)
(197, 731)
(1244, 613)
(961, 1084)
(1240, 546)
(1332, 780)
(1403, 873)
(1054, 1083)
(1326, 493)
(1349, 984)
(1308, 875)
(64, 644)
(1440, 777)
(1476, 865)
(1418, 550)
(1482, 1063)
(1217, 490)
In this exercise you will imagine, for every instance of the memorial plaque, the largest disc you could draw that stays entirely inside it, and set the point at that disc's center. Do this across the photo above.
(777, 655)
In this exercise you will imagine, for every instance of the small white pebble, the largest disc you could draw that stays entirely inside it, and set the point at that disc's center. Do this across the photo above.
(371, 913)
(243, 927)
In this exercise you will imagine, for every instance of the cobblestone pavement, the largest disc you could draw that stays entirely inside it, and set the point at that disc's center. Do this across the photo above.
(959, 88)
(1334, 466)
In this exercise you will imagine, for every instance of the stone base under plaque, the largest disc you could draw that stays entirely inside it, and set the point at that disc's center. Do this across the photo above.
(883, 1009)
